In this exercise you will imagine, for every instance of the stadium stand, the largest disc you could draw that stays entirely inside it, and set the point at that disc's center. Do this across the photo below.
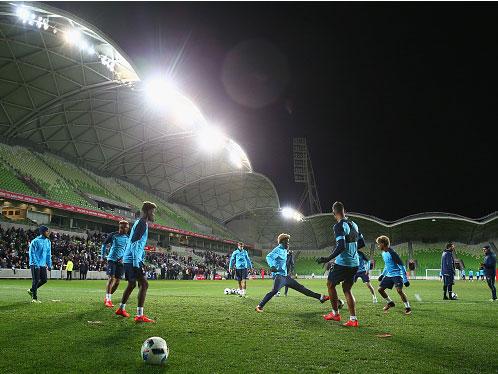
(10, 182)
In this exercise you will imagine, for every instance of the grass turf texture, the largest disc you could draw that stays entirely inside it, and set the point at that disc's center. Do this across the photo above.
(209, 332)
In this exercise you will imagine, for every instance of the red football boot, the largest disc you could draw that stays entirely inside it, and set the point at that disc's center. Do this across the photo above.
(143, 318)
(351, 323)
(332, 317)
(122, 312)
(108, 303)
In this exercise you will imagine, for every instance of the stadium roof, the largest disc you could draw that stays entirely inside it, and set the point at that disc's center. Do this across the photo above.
(68, 89)
(315, 232)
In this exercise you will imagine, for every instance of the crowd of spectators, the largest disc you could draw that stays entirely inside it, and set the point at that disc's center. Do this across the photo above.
(84, 252)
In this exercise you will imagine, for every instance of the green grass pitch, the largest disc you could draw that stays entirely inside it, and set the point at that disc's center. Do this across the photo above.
(209, 332)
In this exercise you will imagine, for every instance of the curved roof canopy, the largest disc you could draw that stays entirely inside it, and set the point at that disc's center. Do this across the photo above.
(226, 196)
(68, 89)
(315, 232)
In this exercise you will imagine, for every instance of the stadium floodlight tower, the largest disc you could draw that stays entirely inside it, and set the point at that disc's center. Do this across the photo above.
(303, 173)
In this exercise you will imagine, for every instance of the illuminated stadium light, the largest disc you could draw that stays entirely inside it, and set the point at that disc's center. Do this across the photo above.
(159, 91)
(73, 37)
(211, 139)
(23, 14)
(291, 213)
(236, 155)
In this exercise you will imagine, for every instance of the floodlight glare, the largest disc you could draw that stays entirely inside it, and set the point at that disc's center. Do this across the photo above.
(211, 139)
(73, 36)
(290, 213)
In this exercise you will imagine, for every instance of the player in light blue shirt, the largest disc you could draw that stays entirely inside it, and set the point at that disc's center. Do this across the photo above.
(40, 260)
(394, 274)
(348, 240)
(241, 262)
(277, 260)
(114, 268)
(133, 260)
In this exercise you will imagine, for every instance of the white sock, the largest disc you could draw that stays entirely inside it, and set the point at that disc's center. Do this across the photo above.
(122, 306)
(243, 291)
(108, 296)
(407, 304)
(388, 299)
(140, 311)
(374, 297)
(352, 318)
(336, 312)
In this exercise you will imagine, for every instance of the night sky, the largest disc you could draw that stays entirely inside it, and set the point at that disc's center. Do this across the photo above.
(398, 102)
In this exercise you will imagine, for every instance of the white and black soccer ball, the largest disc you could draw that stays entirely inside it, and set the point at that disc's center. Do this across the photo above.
(154, 351)
(226, 291)
(278, 293)
(454, 296)
(233, 291)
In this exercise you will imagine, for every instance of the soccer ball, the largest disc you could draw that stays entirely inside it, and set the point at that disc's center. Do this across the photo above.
(227, 291)
(454, 296)
(278, 293)
(233, 291)
(154, 351)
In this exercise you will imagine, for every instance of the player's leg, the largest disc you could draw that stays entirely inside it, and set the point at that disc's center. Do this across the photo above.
(348, 294)
(143, 286)
(406, 303)
(492, 287)
(295, 285)
(243, 285)
(386, 282)
(286, 290)
(131, 277)
(372, 291)
(334, 299)
(35, 279)
(278, 283)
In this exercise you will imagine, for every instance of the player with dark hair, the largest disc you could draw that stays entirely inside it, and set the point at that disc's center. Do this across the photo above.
(40, 260)
(448, 271)
(489, 266)
(394, 274)
(348, 241)
(277, 259)
(114, 269)
(362, 273)
(240, 262)
(133, 260)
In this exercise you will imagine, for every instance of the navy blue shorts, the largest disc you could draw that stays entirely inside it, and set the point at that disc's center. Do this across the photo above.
(114, 269)
(132, 274)
(389, 282)
(339, 273)
(448, 280)
(241, 274)
(363, 275)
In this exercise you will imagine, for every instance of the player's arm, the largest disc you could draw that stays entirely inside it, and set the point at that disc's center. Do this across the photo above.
(49, 255)
(397, 260)
(361, 241)
(32, 252)
(232, 260)
(108, 240)
(489, 263)
(249, 260)
(137, 235)
(271, 257)
(340, 246)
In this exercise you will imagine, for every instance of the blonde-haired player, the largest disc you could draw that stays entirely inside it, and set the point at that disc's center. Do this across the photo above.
(277, 259)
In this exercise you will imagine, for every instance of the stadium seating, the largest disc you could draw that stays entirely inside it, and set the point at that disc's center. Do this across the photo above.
(30, 164)
(10, 182)
(77, 176)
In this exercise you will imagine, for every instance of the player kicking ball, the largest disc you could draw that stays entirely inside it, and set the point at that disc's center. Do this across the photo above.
(394, 274)
(114, 270)
(241, 263)
(277, 260)
(133, 260)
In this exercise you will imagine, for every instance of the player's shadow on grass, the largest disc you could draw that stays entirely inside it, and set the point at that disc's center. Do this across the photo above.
(16, 305)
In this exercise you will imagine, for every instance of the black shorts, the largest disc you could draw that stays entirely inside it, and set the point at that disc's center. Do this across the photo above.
(114, 269)
(448, 280)
(241, 274)
(389, 282)
(339, 273)
(363, 275)
(132, 274)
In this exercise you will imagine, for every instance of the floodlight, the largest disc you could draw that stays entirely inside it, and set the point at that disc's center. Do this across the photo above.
(290, 213)
(211, 139)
